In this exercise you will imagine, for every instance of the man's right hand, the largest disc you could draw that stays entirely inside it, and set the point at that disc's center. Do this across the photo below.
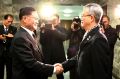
(59, 68)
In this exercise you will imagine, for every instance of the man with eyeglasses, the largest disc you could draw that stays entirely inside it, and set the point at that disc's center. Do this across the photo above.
(92, 60)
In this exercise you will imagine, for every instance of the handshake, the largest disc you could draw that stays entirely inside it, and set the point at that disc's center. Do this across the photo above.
(58, 69)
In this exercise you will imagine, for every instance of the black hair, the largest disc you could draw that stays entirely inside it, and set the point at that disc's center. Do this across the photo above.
(7, 15)
(25, 11)
(106, 17)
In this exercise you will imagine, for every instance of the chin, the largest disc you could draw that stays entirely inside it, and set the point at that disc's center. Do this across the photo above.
(35, 27)
(82, 26)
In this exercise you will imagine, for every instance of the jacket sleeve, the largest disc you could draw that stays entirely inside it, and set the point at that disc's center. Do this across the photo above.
(23, 53)
(61, 33)
(69, 64)
(14, 30)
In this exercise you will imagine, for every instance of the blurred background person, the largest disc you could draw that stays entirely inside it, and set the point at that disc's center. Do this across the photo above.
(7, 32)
(118, 31)
(52, 37)
(111, 35)
(75, 37)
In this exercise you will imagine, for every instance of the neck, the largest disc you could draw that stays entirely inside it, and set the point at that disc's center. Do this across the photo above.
(26, 26)
(5, 26)
(91, 26)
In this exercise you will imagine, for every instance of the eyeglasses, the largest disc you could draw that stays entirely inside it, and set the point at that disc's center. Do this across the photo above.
(86, 15)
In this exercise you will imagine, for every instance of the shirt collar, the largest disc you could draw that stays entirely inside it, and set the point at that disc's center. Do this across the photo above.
(4, 27)
(29, 31)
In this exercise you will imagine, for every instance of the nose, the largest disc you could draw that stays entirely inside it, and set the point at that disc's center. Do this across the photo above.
(37, 21)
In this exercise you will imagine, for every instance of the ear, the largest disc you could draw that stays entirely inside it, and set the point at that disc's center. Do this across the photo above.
(59, 21)
(24, 18)
(92, 18)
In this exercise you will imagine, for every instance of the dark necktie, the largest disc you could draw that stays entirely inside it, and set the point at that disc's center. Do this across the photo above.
(34, 36)
(39, 49)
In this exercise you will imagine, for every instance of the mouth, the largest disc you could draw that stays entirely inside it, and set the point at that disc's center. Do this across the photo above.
(81, 22)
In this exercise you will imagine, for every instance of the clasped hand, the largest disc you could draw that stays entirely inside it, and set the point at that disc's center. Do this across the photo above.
(59, 68)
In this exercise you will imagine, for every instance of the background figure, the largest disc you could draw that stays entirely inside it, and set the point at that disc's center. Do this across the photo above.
(92, 61)
(52, 37)
(75, 37)
(118, 31)
(111, 35)
(6, 34)
(26, 54)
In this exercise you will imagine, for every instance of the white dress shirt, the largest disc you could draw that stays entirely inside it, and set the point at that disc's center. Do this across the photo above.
(29, 31)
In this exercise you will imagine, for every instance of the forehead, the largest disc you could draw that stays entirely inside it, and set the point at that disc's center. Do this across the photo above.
(9, 18)
(55, 18)
(85, 11)
(105, 19)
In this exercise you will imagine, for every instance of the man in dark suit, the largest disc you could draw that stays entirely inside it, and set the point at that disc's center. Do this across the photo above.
(6, 34)
(118, 31)
(111, 35)
(92, 61)
(75, 37)
(52, 42)
(27, 55)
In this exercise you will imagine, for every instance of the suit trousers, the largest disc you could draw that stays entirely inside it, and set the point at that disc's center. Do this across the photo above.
(60, 76)
(5, 61)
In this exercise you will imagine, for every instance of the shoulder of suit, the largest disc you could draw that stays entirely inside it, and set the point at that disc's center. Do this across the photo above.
(1, 26)
(13, 27)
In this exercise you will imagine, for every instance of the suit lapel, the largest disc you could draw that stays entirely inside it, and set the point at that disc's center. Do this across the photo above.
(10, 29)
(29, 37)
(88, 39)
(38, 54)
(2, 27)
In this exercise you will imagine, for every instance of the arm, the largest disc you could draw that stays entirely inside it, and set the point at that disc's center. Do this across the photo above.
(60, 33)
(69, 64)
(99, 57)
(24, 53)
(2, 37)
(12, 32)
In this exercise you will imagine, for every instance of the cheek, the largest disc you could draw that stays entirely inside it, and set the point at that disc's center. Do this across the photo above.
(83, 23)
(31, 23)
(106, 23)
(7, 23)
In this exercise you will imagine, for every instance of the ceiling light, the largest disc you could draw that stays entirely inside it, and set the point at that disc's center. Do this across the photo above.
(47, 10)
(67, 10)
(67, 15)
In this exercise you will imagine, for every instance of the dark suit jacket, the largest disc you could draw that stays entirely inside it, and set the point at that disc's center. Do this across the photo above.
(92, 61)
(52, 44)
(111, 35)
(7, 44)
(27, 58)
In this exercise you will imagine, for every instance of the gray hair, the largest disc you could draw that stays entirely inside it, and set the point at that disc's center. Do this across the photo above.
(96, 10)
